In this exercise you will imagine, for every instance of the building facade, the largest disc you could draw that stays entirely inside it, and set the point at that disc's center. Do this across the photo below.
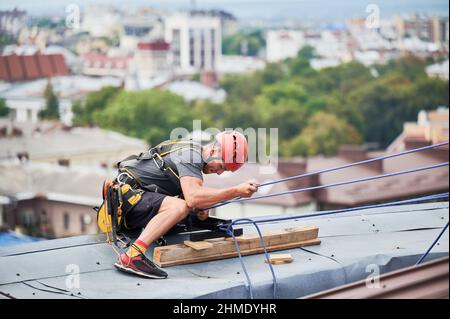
(151, 59)
(283, 44)
(196, 42)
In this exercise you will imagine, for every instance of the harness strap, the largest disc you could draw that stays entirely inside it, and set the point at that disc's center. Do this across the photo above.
(164, 164)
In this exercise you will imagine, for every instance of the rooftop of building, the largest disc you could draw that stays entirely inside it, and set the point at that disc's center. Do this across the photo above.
(30, 67)
(48, 139)
(390, 238)
(67, 87)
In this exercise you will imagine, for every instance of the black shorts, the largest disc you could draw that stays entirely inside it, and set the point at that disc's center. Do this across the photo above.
(144, 211)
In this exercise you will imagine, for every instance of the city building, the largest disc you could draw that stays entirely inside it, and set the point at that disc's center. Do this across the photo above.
(237, 64)
(12, 21)
(98, 64)
(51, 201)
(140, 27)
(26, 98)
(439, 70)
(14, 68)
(52, 176)
(283, 44)
(101, 21)
(195, 41)
(192, 90)
(151, 59)
(55, 143)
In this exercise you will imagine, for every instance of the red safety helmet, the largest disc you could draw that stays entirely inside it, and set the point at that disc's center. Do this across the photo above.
(234, 149)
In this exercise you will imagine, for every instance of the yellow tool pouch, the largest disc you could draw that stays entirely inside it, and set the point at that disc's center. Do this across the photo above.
(117, 201)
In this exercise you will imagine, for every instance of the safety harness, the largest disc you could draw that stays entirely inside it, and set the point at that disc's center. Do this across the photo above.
(125, 192)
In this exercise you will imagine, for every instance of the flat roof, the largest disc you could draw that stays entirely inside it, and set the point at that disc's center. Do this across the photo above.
(353, 244)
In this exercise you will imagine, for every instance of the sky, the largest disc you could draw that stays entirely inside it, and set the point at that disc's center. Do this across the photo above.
(325, 10)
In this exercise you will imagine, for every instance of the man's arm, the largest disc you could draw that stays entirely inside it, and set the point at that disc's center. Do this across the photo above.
(198, 196)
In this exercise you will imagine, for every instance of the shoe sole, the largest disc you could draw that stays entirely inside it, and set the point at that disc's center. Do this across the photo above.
(135, 272)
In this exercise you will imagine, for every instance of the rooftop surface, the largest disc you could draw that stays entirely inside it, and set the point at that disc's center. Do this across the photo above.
(353, 245)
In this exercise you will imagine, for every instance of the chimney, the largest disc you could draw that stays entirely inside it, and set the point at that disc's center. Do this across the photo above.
(353, 153)
(358, 153)
(297, 166)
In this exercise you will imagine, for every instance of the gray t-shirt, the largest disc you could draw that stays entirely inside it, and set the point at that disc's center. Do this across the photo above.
(188, 162)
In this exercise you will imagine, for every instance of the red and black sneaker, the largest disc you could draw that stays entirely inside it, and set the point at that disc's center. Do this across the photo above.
(141, 266)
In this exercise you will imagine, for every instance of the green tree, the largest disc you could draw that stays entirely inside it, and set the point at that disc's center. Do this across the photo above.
(301, 64)
(242, 87)
(211, 114)
(243, 43)
(6, 39)
(94, 102)
(149, 114)
(323, 135)
(51, 110)
(4, 109)
(410, 68)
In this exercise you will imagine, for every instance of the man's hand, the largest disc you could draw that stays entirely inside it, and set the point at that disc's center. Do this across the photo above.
(247, 189)
(202, 214)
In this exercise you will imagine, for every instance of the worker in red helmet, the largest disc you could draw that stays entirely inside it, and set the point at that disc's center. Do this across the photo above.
(169, 178)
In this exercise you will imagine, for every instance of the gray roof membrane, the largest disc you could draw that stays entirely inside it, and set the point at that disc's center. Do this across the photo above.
(354, 245)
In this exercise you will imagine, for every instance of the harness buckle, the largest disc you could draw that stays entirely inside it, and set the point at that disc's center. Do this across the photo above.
(160, 166)
(122, 174)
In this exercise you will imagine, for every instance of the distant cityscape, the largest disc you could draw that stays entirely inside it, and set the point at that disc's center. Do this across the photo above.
(151, 48)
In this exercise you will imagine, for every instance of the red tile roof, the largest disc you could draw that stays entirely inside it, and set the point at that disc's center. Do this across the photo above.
(45, 65)
(15, 66)
(59, 66)
(32, 70)
(4, 70)
(29, 67)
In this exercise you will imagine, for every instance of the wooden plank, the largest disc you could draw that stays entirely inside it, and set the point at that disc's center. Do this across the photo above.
(198, 245)
(280, 259)
(179, 254)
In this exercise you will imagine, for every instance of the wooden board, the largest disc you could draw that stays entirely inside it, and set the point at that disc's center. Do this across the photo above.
(180, 254)
(280, 259)
(198, 245)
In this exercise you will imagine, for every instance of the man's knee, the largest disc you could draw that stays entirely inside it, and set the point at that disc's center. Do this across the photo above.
(176, 206)
(182, 208)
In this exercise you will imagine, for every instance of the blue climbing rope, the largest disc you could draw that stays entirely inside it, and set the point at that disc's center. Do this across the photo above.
(241, 221)
(344, 210)
(263, 245)
(229, 227)
(331, 185)
(432, 245)
(420, 149)
(415, 150)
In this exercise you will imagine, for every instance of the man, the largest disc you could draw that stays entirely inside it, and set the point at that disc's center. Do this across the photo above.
(179, 190)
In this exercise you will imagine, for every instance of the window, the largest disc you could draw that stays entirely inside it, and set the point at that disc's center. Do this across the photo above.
(66, 221)
(192, 47)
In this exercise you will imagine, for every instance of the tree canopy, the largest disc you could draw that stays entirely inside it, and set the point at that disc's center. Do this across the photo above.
(314, 111)
(51, 109)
